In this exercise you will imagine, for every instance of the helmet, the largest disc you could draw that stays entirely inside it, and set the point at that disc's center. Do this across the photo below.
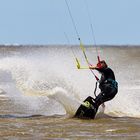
(101, 64)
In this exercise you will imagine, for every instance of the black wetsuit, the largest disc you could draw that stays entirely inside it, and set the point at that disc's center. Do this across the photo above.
(108, 86)
(109, 89)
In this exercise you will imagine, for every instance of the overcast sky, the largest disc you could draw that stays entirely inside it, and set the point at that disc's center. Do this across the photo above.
(46, 21)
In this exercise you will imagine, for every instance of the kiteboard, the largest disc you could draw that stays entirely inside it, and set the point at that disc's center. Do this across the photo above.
(88, 109)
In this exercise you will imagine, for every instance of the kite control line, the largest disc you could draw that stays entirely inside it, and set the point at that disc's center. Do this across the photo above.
(92, 31)
(77, 61)
(81, 45)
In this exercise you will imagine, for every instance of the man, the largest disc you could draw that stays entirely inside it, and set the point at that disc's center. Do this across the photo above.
(108, 87)
(107, 83)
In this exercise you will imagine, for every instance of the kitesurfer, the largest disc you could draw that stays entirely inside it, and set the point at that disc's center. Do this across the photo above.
(107, 83)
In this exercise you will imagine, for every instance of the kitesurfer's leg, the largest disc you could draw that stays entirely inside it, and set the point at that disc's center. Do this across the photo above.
(107, 94)
(99, 99)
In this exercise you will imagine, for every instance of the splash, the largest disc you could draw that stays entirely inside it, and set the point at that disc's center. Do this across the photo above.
(46, 81)
(69, 102)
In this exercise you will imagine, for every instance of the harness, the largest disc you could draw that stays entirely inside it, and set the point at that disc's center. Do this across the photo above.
(112, 82)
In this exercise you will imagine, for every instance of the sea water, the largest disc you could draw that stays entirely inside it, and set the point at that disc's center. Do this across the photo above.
(41, 88)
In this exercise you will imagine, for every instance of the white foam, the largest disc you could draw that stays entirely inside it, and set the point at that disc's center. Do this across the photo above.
(70, 103)
(44, 69)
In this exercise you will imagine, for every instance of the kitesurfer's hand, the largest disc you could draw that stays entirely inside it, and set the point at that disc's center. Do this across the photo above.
(92, 67)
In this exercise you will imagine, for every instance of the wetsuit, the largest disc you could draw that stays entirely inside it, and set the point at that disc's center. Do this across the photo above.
(109, 89)
(107, 85)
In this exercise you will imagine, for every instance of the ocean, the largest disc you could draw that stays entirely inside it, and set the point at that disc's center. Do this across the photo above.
(41, 89)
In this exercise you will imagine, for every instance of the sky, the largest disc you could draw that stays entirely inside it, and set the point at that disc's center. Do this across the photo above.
(114, 22)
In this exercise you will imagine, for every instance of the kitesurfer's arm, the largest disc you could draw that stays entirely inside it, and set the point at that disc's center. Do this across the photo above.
(96, 68)
(101, 66)
(92, 67)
